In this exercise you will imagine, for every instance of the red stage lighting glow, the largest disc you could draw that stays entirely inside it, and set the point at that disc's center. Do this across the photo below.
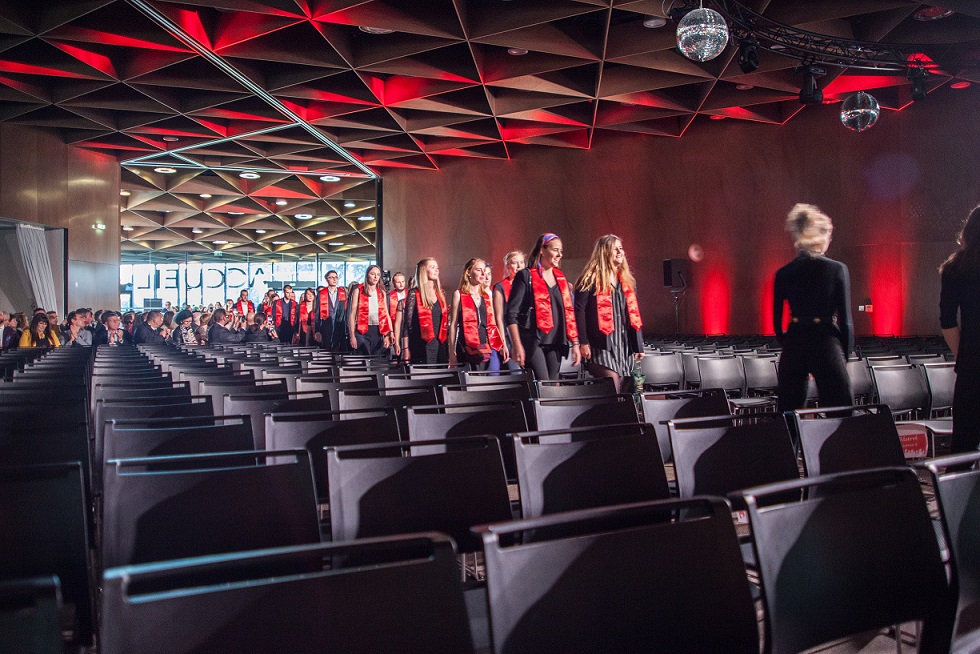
(716, 303)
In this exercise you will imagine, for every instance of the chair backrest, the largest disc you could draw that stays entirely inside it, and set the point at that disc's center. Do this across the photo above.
(584, 412)
(662, 369)
(920, 359)
(684, 580)
(317, 431)
(181, 389)
(401, 380)
(658, 408)
(597, 468)
(862, 386)
(389, 596)
(138, 438)
(724, 372)
(162, 508)
(333, 385)
(374, 495)
(288, 373)
(848, 438)
(218, 387)
(30, 615)
(468, 394)
(903, 388)
(256, 406)
(106, 410)
(476, 377)
(399, 398)
(941, 378)
(570, 388)
(717, 456)
(956, 482)
(859, 554)
(45, 532)
(760, 373)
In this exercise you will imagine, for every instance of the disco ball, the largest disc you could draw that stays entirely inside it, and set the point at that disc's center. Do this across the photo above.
(702, 34)
(859, 112)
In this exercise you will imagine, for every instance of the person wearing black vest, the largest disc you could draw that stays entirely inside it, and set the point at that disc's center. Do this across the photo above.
(821, 331)
(329, 313)
(285, 315)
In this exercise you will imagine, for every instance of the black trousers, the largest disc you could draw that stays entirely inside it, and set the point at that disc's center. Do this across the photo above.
(543, 360)
(370, 343)
(966, 411)
(813, 350)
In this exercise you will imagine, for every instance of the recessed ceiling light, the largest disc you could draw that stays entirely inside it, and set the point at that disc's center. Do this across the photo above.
(338, 243)
(249, 175)
(205, 196)
(170, 139)
(960, 85)
(281, 203)
(329, 178)
(99, 226)
(128, 228)
(653, 22)
(517, 52)
(375, 30)
(321, 233)
(350, 205)
(260, 231)
(932, 13)
(744, 87)
(125, 194)
(221, 242)
(236, 213)
(164, 170)
(365, 219)
(197, 230)
(717, 117)
(279, 242)
(303, 216)
(777, 46)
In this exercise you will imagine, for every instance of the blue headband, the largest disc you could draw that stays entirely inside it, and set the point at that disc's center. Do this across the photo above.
(548, 237)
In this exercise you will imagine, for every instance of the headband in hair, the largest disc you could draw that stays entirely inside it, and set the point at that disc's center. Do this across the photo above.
(548, 237)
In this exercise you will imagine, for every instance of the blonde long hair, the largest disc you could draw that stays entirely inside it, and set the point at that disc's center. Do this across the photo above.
(464, 282)
(599, 268)
(419, 276)
(811, 229)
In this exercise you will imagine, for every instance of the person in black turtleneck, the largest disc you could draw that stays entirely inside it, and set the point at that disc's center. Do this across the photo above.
(821, 331)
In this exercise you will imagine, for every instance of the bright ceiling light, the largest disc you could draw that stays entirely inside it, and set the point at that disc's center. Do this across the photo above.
(260, 231)
(321, 233)
(125, 194)
(197, 230)
(375, 30)
(221, 242)
(281, 203)
(303, 216)
(236, 213)
(170, 139)
(164, 170)
(205, 196)
(279, 242)
(329, 178)
(99, 226)
(350, 205)
(365, 219)
(248, 174)
(653, 22)
(128, 228)
(338, 243)
(517, 52)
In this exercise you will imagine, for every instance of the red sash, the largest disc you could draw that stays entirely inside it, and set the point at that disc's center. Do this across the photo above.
(425, 318)
(542, 304)
(603, 303)
(245, 308)
(363, 310)
(304, 314)
(278, 313)
(505, 284)
(392, 302)
(471, 323)
(325, 300)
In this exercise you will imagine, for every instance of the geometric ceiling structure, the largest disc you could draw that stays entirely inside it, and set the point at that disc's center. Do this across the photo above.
(299, 90)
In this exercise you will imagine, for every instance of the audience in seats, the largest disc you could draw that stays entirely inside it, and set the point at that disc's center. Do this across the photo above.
(260, 331)
(152, 331)
(113, 332)
(225, 328)
(75, 332)
(185, 333)
(39, 334)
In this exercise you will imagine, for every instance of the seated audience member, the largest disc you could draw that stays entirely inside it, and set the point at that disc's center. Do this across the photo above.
(152, 331)
(202, 327)
(39, 335)
(8, 330)
(75, 332)
(185, 334)
(20, 324)
(224, 328)
(113, 332)
(168, 320)
(53, 325)
(260, 331)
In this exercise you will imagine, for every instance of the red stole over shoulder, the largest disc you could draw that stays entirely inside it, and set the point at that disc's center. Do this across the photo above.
(278, 312)
(363, 310)
(304, 314)
(424, 313)
(542, 303)
(603, 303)
(244, 307)
(505, 284)
(325, 300)
(392, 302)
(471, 323)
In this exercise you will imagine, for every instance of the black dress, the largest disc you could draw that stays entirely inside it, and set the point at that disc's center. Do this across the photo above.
(961, 291)
(818, 290)
(422, 351)
(543, 351)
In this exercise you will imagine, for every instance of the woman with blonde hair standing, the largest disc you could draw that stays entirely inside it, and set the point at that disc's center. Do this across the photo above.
(481, 344)
(540, 315)
(368, 320)
(608, 314)
(425, 325)
(513, 264)
(821, 331)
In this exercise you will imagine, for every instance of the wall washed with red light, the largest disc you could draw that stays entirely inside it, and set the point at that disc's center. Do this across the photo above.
(897, 193)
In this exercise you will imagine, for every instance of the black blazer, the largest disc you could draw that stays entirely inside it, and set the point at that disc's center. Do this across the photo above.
(221, 334)
(519, 309)
(146, 334)
(587, 317)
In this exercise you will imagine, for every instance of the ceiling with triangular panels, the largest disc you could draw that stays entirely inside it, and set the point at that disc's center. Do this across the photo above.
(215, 87)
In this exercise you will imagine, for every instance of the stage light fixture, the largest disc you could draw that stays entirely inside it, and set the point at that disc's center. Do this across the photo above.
(748, 55)
(918, 78)
(810, 91)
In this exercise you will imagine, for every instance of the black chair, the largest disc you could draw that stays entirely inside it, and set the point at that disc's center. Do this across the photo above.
(138, 438)
(477, 377)
(437, 381)
(384, 596)
(118, 391)
(860, 554)
(374, 495)
(724, 454)
(621, 579)
(571, 388)
(333, 385)
(586, 468)
(658, 408)
(218, 387)
(45, 532)
(162, 508)
(728, 374)
(662, 371)
(30, 616)
(399, 398)
(317, 431)
(760, 374)
(848, 438)
(905, 389)
(862, 386)
(940, 378)
(956, 482)
(584, 412)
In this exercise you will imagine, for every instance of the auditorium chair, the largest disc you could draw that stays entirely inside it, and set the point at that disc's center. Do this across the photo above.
(287, 373)
(662, 370)
(584, 412)
(139, 437)
(30, 615)
(122, 391)
(218, 387)
(727, 373)
(475, 377)
(658, 408)
(146, 409)
(840, 439)
(572, 388)
(862, 385)
(399, 398)
(858, 554)
(621, 579)
(760, 374)
(257, 405)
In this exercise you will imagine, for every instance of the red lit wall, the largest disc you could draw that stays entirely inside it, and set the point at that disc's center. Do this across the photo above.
(897, 193)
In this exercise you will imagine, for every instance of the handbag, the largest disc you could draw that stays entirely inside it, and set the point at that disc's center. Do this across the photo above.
(481, 351)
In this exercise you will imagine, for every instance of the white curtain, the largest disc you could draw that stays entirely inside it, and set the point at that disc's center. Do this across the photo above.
(37, 263)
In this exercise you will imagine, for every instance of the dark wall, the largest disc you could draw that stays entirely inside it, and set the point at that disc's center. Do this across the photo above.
(897, 194)
(44, 181)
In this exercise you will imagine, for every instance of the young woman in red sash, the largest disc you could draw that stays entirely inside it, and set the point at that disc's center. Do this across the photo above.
(513, 264)
(475, 330)
(608, 315)
(425, 323)
(368, 320)
(540, 315)
(307, 316)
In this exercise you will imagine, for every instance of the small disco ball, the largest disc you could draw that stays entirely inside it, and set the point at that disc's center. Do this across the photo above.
(859, 112)
(702, 34)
